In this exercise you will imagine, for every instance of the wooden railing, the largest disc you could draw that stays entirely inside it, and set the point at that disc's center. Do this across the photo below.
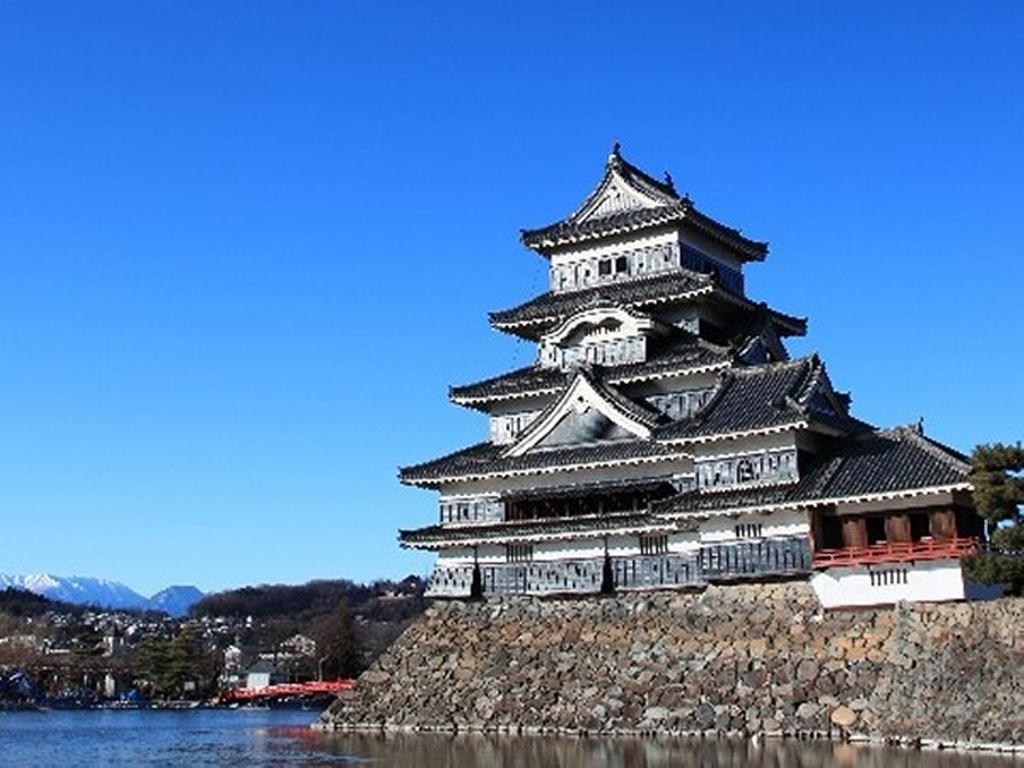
(895, 552)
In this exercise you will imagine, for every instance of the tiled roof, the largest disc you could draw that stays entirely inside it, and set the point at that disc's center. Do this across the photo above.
(488, 459)
(550, 308)
(680, 211)
(753, 398)
(541, 313)
(875, 462)
(640, 412)
(522, 529)
(884, 461)
(537, 380)
(666, 206)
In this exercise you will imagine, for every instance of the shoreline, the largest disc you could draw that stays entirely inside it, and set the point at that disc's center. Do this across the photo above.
(921, 744)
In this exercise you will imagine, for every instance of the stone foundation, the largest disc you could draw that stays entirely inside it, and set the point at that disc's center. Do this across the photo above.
(740, 660)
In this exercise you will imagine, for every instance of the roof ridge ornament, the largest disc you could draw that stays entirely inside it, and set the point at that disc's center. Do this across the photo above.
(614, 157)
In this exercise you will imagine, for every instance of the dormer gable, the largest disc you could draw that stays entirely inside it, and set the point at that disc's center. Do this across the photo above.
(623, 187)
(603, 335)
(586, 412)
(613, 320)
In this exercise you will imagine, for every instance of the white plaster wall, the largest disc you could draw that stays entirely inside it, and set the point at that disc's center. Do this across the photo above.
(744, 445)
(577, 549)
(573, 254)
(572, 549)
(681, 543)
(455, 556)
(781, 523)
(932, 581)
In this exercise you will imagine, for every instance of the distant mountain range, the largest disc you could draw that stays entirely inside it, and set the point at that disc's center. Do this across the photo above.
(84, 590)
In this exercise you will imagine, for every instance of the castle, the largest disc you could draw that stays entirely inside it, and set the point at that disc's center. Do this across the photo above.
(665, 439)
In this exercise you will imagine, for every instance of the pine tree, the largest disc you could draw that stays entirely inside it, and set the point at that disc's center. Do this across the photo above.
(996, 476)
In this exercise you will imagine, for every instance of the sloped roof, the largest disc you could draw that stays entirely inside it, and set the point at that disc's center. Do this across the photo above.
(873, 462)
(627, 522)
(884, 461)
(541, 313)
(665, 207)
(747, 399)
(551, 308)
(756, 398)
(485, 459)
(685, 354)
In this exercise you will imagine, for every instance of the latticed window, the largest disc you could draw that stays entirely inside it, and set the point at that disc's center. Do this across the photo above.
(749, 531)
(653, 545)
(518, 553)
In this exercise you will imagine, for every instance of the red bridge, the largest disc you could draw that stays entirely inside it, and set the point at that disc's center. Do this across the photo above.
(282, 690)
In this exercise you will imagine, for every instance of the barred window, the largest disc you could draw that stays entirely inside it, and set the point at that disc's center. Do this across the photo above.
(653, 545)
(749, 531)
(518, 553)
(888, 577)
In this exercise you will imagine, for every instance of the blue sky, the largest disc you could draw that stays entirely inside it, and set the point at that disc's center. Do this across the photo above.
(246, 246)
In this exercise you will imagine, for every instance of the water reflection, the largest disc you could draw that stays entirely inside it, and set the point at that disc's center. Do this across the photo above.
(437, 751)
(226, 739)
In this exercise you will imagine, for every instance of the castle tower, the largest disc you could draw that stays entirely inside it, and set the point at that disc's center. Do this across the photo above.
(665, 439)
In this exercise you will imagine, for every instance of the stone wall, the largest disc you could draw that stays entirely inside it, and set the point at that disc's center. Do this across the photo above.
(731, 659)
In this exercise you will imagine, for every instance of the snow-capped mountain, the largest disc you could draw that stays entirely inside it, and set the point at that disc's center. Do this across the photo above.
(175, 601)
(85, 590)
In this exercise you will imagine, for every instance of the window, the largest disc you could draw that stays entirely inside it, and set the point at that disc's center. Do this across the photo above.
(604, 267)
(654, 545)
(621, 265)
(749, 531)
(518, 553)
(888, 577)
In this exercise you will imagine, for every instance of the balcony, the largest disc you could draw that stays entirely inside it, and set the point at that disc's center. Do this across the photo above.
(896, 552)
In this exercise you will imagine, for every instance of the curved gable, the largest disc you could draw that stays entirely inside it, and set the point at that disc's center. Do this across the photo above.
(584, 413)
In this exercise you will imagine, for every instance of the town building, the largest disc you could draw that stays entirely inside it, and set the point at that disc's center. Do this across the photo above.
(664, 438)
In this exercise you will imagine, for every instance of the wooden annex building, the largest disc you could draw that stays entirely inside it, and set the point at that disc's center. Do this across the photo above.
(665, 439)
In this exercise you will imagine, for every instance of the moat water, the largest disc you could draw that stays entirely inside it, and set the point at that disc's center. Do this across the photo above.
(283, 738)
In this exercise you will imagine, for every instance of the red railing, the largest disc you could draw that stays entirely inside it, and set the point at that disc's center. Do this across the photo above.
(283, 690)
(895, 552)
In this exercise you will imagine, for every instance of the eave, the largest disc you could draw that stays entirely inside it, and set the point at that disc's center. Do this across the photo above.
(583, 527)
(682, 212)
(439, 480)
(824, 501)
